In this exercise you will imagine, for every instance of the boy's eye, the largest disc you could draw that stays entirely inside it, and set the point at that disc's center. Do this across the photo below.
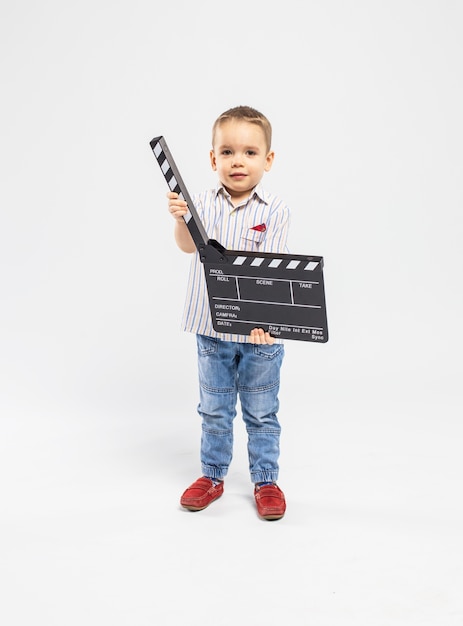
(251, 152)
(226, 152)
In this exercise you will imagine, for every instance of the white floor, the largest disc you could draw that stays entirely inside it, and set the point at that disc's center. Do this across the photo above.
(92, 532)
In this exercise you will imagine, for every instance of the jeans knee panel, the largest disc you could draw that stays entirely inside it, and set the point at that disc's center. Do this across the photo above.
(263, 430)
(260, 388)
(217, 390)
(216, 432)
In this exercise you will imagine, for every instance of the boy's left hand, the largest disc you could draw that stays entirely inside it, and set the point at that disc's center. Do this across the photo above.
(258, 335)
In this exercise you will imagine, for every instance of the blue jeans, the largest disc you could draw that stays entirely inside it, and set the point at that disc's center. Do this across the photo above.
(226, 369)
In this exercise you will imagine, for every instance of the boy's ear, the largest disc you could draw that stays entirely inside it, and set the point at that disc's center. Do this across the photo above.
(269, 160)
(213, 160)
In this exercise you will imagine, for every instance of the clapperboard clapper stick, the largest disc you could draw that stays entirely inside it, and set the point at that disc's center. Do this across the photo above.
(281, 293)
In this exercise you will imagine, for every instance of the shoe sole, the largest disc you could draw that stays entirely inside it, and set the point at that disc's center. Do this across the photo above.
(271, 517)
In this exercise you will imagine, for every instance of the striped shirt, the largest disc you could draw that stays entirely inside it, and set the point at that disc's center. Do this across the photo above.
(233, 228)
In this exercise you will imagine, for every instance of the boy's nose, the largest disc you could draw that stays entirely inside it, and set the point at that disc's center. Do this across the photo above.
(237, 160)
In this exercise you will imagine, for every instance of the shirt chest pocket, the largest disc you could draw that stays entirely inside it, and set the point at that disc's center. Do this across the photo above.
(251, 239)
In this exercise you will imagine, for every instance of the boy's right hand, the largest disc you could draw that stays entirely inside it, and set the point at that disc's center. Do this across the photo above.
(177, 207)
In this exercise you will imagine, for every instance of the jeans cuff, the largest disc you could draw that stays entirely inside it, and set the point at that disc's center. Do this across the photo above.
(265, 476)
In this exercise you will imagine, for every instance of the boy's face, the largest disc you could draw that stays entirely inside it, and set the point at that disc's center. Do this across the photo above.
(239, 155)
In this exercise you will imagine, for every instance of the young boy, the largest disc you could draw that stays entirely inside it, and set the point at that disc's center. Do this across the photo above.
(241, 216)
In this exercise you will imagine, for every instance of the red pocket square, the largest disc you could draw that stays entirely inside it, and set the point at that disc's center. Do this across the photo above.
(261, 228)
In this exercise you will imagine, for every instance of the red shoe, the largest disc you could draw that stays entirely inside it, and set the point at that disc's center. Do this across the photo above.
(270, 501)
(200, 494)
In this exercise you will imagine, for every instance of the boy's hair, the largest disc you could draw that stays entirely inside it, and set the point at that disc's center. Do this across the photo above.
(245, 114)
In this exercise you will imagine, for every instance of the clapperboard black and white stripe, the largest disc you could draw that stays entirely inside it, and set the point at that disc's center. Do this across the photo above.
(282, 293)
(175, 183)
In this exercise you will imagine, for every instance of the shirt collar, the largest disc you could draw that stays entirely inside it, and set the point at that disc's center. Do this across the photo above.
(257, 191)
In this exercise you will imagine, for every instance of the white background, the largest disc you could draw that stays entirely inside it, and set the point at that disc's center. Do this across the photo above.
(99, 432)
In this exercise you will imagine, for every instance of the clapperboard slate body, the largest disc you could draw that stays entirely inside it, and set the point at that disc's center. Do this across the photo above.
(281, 293)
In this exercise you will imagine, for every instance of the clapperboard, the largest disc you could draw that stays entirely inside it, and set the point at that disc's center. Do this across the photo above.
(281, 293)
